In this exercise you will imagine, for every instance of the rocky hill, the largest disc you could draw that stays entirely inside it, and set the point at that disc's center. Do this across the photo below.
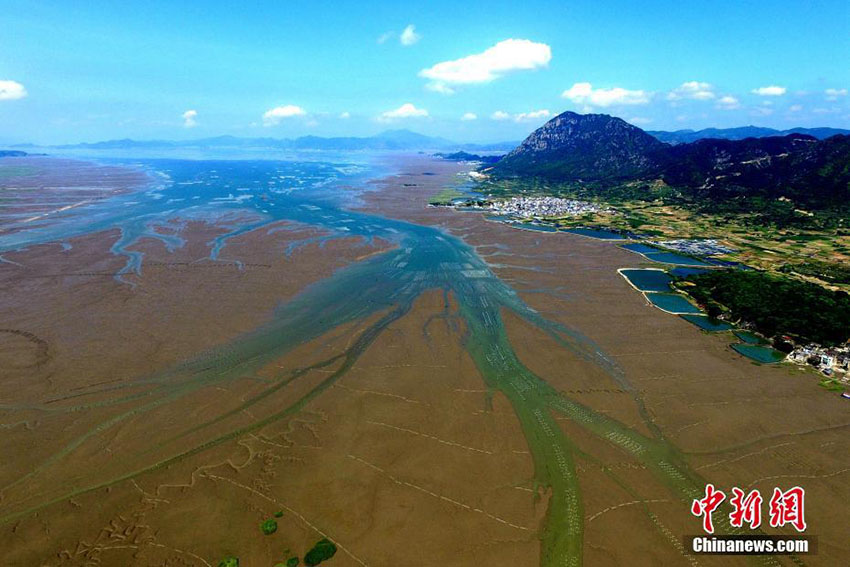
(604, 150)
(580, 147)
(809, 172)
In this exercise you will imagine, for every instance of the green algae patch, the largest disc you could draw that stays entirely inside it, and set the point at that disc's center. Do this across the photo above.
(278, 514)
(444, 198)
(269, 526)
(229, 562)
(831, 384)
(322, 551)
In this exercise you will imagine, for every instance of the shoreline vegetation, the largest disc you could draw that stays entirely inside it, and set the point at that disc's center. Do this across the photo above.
(780, 288)
(774, 306)
(818, 252)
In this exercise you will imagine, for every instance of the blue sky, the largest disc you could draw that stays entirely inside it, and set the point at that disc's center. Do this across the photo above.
(85, 71)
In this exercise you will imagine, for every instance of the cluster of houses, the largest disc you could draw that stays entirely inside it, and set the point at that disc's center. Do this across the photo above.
(829, 360)
(538, 207)
(703, 247)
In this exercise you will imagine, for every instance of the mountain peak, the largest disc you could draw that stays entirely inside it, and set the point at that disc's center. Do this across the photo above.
(583, 147)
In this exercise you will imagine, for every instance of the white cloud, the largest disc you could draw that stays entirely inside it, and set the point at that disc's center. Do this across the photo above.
(772, 90)
(728, 102)
(273, 116)
(584, 93)
(406, 110)
(694, 90)
(501, 115)
(504, 57)
(795, 107)
(11, 90)
(189, 118)
(534, 115)
(467, 116)
(345, 115)
(409, 36)
(640, 120)
(833, 94)
(441, 88)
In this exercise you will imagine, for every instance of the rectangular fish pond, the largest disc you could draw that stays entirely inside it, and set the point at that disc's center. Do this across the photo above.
(522, 225)
(706, 323)
(763, 354)
(673, 258)
(537, 227)
(596, 233)
(648, 280)
(640, 248)
(658, 255)
(673, 303)
(750, 338)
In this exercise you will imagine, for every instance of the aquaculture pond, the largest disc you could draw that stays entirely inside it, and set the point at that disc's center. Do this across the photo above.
(648, 280)
(672, 302)
(685, 272)
(658, 255)
(673, 258)
(640, 248)
(763, 354)
(596, 233)
(521, 225)
(706, 323)
(537, 227)
(750, 338)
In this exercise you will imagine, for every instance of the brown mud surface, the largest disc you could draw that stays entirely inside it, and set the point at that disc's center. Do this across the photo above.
(737, 423)
(406, 459)
(35, 188)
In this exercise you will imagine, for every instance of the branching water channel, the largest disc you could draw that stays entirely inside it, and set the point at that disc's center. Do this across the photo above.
(387, 286)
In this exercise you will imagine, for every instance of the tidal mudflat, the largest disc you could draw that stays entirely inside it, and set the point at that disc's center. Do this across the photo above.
(415, 385)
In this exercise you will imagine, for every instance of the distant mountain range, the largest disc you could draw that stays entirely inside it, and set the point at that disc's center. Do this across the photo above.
(389, 140)
(603, 150)
(687, 136)
(407, 140)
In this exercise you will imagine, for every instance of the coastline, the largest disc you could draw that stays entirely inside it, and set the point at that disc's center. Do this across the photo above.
(675, 366)
(412, 415)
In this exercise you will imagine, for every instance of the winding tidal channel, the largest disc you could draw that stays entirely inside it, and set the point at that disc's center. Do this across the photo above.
(380, 289)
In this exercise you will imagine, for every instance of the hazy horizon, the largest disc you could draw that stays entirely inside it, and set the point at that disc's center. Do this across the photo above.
(377, 134)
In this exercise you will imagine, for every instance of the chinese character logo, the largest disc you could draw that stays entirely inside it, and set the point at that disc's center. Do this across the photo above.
(747, 509)
(784, 508)
(787, 508)
(705, 506)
